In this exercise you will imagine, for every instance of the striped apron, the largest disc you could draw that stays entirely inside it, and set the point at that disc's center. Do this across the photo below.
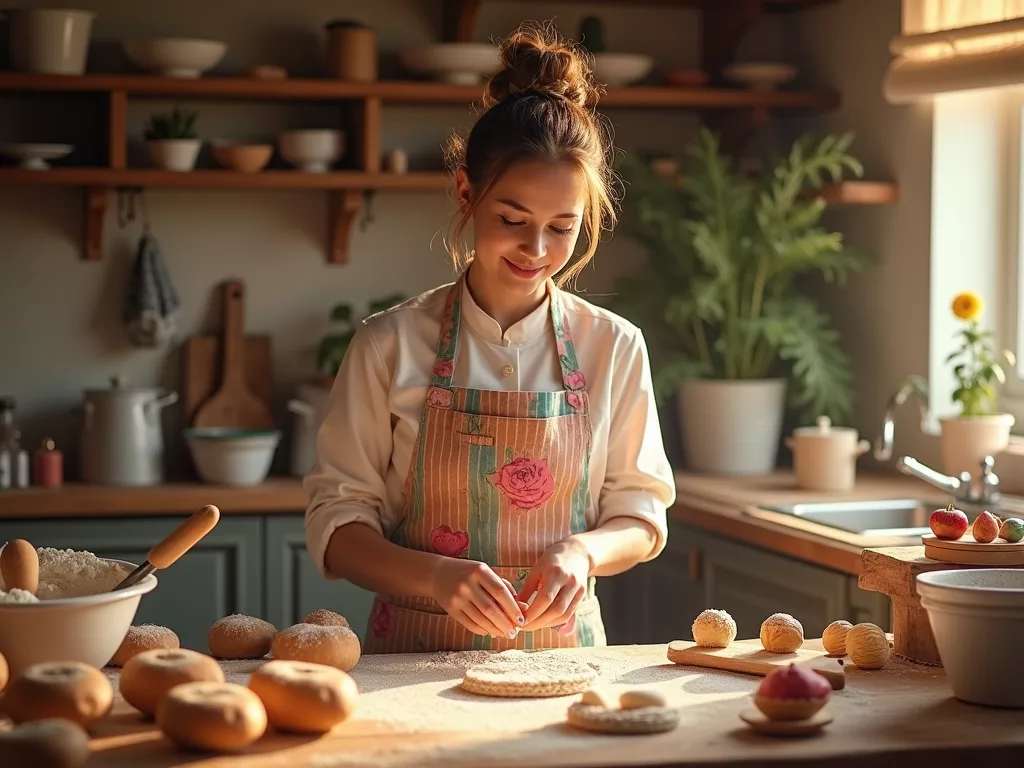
(497, 477)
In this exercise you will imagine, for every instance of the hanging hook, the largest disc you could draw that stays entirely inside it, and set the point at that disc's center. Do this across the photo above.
(145, 212)
(130, 201)
(367, 218)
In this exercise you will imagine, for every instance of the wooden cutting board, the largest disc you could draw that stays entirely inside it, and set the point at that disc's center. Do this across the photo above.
(201, 362)
(967, 551)
(234, 403)
(752, 659)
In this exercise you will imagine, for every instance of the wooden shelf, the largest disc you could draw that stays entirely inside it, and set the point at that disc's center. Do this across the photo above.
(283, 494)
(221, 179)
(860, 193)
(398, 91)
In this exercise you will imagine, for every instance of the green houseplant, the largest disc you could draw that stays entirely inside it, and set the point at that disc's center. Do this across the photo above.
(332, 347)
(172, 141)
(720, 301)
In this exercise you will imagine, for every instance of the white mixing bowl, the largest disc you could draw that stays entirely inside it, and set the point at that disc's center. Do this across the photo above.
(977, 618)
(226, 456)
(86, 629)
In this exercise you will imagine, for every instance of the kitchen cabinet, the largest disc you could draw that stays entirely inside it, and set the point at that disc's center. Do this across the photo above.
(658, 601)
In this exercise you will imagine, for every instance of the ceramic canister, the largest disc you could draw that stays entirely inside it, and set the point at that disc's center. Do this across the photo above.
(825, 457)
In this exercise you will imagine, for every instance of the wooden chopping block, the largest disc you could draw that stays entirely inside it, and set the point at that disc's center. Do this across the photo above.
(200, 361)
(234, 404)
(893, 571)
(749, 657)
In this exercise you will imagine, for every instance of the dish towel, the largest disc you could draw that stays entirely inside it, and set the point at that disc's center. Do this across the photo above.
(151, 303)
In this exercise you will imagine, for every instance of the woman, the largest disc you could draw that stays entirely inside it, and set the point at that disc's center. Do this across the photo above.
(492, 446)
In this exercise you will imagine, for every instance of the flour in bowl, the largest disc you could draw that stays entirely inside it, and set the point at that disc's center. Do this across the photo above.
(68, 573)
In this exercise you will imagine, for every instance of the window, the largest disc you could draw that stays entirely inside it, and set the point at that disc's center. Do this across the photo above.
(1013, 325)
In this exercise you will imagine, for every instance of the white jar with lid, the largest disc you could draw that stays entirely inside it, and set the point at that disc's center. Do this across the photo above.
(825, 457)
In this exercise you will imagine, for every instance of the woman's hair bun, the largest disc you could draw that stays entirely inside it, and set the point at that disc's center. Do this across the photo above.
(536, 60)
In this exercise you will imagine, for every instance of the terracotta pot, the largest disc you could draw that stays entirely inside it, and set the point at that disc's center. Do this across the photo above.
(967, 440)
(352, 53)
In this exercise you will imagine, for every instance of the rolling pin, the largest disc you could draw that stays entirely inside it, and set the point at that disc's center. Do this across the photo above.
(174, 545)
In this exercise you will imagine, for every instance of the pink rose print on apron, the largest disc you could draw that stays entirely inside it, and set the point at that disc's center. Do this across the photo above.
(447, 542)
(526, 483)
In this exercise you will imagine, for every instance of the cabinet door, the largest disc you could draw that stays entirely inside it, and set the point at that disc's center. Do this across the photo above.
(219, 576)
(676, 593)
(751, 584)
(868, 606)
(295, 586)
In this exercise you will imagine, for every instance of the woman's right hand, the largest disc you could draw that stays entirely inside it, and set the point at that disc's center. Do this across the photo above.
(476, 597)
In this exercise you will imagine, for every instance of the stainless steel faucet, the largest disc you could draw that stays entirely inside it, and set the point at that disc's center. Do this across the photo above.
(965, 489)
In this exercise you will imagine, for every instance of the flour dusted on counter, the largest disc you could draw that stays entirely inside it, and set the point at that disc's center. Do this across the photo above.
(69, 573)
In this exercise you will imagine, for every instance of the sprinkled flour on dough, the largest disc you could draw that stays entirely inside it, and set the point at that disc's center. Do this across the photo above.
(69, 573)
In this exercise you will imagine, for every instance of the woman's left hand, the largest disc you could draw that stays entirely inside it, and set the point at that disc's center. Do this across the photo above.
(559, 579)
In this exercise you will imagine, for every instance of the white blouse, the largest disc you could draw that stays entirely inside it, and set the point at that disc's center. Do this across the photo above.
(372, 415)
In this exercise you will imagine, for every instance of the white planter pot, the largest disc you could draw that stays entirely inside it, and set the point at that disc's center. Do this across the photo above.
(967, 440)
(732, 427)
(174, 154)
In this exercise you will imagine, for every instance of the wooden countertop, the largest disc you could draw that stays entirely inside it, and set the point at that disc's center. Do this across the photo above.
(279, 494)
(732, 507)
(412, 712)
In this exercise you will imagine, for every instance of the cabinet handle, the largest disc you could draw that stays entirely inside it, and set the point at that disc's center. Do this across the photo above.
(695, 564)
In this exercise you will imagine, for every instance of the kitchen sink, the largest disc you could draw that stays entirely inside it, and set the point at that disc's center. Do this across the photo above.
(882, 517)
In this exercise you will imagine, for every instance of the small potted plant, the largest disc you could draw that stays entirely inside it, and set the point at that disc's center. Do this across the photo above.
(979, 430)
(171, 140)
(331, 350)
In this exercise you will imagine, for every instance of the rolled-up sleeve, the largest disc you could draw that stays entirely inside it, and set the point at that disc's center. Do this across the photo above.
(354, 442)
(638, 481)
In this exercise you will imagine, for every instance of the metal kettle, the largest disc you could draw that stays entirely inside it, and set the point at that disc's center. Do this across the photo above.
(122, 438)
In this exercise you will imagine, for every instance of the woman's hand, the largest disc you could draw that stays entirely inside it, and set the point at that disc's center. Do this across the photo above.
(559, 579)
(476, 597)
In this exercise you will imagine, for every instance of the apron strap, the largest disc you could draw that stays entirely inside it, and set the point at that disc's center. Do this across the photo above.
(444, 364)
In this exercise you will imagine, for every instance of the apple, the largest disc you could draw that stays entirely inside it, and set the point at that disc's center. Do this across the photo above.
(949, 524)
(985, 528)
(794, 681)
(1012, 529)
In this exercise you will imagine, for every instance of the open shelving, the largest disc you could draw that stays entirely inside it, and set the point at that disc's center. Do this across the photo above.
(735, 113)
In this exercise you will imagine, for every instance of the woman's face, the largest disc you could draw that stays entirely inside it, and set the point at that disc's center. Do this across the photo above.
(526, 226)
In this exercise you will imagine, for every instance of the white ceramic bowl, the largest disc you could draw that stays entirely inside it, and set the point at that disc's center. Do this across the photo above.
(312, 151)
(977, 618)
(226, 456)
(458, 63)
(87, 629)
(175, 56)
(619, 69)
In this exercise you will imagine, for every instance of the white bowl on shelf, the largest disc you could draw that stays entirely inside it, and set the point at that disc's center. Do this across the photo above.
(977, 619)
(86, 629)
(228, 456)
(312, 150)
(620, 69)
(456, 63)
(762, 76)
(35, 156)
(175, 56)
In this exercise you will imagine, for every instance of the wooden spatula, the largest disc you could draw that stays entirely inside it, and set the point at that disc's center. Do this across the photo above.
(234, 404)
(752, 659)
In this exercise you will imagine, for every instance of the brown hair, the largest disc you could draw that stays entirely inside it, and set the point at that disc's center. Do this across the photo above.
(540, 106)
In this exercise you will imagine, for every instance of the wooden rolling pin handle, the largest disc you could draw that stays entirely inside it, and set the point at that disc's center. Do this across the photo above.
(184, 537)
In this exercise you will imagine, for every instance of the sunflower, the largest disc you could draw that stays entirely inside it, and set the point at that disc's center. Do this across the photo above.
(967, 305)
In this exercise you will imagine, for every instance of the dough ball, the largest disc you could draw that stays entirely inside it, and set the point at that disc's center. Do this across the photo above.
(68, 689)
(713, 629)
(5, 672)
(834, 637)
(240, 637)
(302, 697)
(598, 697)
(641, 699)
(146, 637)
(868, 646)
(325, 618)
(781, 633)
(216, 717)
(148, 676)
(333, 646)
(50, 743)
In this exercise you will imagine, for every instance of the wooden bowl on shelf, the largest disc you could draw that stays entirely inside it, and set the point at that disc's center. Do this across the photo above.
(242, 157)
